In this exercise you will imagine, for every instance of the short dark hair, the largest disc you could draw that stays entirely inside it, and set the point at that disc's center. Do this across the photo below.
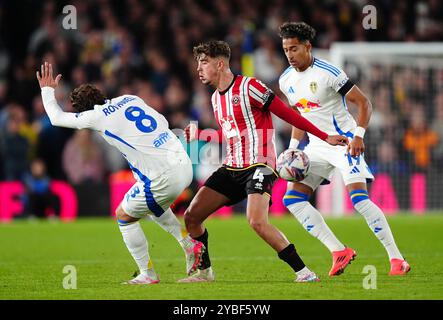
(300, 30)
(85, 97)
(213, 49)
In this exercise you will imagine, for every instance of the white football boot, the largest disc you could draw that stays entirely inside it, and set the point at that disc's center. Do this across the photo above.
(307, 277)
(143, 279)
(194, 256)
(205, 275)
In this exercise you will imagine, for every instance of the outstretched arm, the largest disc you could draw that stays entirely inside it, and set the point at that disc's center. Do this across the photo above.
(292, 117)
(56, 115)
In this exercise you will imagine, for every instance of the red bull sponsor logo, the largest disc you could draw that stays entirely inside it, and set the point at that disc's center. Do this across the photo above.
(304, 105)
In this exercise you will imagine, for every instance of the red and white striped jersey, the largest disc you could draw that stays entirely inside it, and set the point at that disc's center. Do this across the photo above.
(242, 113)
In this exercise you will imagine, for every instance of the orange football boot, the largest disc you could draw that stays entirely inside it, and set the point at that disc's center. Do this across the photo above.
(399, 267)
(340, 260)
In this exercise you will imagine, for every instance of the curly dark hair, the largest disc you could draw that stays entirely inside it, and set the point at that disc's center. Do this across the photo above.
(85, 97)
(213, 49)
(300, 30)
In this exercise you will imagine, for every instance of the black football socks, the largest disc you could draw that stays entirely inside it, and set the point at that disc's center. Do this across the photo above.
(291, 257)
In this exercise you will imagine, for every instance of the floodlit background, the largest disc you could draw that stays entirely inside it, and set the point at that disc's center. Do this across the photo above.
(145, 48)
(391, 49)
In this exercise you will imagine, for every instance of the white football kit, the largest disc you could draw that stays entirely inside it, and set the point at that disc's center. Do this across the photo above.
(319, 94)
(155, 155)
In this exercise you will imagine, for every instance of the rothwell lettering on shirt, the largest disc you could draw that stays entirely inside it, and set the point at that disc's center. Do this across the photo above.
(111, 109)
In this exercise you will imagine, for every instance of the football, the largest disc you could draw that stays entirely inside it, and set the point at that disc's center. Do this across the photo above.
(293, 165)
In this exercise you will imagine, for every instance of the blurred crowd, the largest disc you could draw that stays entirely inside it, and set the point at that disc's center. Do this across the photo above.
(406, 129)
(145, 48)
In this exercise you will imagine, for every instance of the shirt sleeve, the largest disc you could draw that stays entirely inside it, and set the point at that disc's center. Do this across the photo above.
(260, 96)
(283, 90)
(59, 118)
(338, 80)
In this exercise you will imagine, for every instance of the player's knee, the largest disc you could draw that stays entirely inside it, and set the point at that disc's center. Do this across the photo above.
(124, 219)
(258, 224)
(119, 213)
(191, 217)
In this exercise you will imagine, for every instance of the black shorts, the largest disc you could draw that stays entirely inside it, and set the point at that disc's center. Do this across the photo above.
(236, 184)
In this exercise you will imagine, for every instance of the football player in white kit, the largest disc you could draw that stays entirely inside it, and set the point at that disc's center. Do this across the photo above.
(155, 155)
(319, 91)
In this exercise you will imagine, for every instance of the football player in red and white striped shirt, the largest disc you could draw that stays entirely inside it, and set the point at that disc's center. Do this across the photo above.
(242, 107)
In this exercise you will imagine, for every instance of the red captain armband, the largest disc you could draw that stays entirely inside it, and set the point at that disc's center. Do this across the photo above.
(292, 117)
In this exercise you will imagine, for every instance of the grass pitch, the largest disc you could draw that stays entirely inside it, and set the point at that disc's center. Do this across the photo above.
(33, 255)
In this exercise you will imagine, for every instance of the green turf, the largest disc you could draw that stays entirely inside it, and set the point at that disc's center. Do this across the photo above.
(33, 254)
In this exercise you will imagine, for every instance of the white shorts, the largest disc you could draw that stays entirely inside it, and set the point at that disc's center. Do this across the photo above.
(325, 158)
(156, 196)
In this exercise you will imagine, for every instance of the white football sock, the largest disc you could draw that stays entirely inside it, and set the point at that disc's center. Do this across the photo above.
(314, 223)
(169, 222)
(303, 271)
(137, 245)
(379, 225)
